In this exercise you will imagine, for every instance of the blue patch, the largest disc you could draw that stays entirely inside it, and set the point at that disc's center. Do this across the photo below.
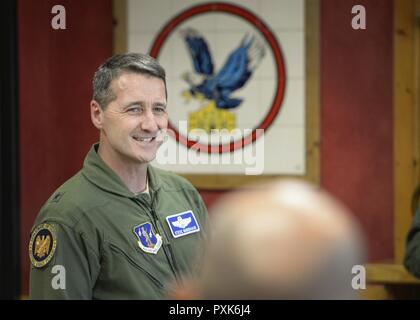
(182, 224)
(149, 241)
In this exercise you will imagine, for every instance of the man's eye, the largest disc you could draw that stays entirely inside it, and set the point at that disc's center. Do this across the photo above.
(134, 109)
(159, 109)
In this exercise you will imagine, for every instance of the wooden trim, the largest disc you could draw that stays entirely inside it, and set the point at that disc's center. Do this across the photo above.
(312, 85)
(416, 118)
(375, 292)
(119, 9)
(389, 274)
(312, 115)
(227, 182)
(404, 113)
(390, 281)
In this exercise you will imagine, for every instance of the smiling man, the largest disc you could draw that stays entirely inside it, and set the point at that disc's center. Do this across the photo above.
(120, 228)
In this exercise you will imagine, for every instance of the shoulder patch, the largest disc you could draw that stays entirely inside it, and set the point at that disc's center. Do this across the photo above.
(149, 241)
(42, 245)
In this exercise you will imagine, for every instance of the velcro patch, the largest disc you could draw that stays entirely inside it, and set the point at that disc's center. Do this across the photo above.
(149, 241)
(42, 245)
(182, 223)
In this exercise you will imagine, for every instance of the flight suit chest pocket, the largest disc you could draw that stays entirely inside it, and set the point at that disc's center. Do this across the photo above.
(143, 245)
(136, 264)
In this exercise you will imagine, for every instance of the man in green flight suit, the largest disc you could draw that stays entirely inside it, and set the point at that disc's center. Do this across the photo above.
(120, 228)
(412, 248)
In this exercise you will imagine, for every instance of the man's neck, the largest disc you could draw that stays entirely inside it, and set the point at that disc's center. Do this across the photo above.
(134, 175)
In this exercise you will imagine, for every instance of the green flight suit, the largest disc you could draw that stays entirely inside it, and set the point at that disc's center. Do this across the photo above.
(412, 253)
(87, 229)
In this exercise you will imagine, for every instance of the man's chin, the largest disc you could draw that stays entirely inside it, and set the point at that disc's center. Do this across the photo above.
(146, 158)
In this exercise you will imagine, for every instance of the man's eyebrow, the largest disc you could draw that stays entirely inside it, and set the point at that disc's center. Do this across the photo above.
(160, 104)
(141, 103)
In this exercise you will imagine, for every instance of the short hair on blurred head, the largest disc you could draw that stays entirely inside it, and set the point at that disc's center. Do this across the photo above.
(286, 239)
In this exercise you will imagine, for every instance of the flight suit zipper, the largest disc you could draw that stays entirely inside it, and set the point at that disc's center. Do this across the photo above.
(169, 246)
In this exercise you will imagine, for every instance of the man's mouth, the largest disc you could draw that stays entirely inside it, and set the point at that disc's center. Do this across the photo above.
(144, 139)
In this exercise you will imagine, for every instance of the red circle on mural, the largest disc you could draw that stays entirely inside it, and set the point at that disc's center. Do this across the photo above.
(280, 70)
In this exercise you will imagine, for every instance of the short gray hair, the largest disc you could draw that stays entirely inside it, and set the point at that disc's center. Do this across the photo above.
(113, 67)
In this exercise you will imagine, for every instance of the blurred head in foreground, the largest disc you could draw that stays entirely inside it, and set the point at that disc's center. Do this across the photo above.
(282, 240)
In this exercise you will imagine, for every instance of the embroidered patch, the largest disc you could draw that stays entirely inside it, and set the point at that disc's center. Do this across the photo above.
(42, 245)
(149, 241)
(182, 224)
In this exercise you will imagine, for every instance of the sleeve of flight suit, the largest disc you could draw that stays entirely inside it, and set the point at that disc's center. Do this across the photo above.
(74, 256)
(412, 254)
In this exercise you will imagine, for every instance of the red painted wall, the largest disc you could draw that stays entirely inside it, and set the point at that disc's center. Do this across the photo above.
(55, 72)
(356, 116)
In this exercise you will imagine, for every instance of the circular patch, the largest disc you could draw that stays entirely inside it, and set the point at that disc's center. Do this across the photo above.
(42, 245)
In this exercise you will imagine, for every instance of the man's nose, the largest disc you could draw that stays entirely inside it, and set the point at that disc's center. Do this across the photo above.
(148, 122)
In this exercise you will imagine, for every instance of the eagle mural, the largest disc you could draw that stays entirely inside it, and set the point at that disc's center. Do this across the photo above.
(216, 88)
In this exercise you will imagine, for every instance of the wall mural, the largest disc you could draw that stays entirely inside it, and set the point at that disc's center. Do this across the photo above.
(235, 102)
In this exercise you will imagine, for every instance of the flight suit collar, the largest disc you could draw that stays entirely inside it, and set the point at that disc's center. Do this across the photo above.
(100, 174)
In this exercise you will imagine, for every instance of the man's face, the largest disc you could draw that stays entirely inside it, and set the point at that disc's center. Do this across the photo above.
(132, 123)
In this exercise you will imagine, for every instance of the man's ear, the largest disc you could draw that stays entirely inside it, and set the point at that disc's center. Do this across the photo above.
(96, 114)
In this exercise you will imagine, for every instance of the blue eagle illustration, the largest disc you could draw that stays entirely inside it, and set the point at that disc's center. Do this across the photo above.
(236, 71)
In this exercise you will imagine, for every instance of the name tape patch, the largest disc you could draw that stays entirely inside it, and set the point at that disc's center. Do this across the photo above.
(182, 224)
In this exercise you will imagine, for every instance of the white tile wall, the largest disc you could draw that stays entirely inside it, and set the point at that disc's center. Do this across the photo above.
(265, 69)
(255, 104)
(283, 153)
(147, 15)
(291, 111)
(292, 45)
(139, 42)
(283, 14)
(285, 150)
(180, 5)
